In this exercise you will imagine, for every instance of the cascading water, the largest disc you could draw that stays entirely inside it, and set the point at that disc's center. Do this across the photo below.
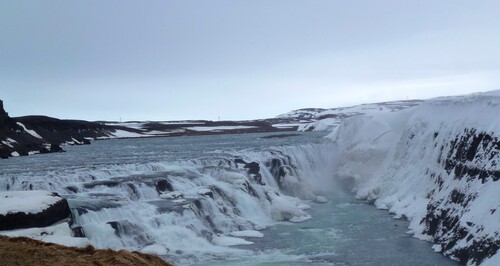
(188, 205)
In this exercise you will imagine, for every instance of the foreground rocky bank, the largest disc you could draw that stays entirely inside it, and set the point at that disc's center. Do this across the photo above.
(14, 251)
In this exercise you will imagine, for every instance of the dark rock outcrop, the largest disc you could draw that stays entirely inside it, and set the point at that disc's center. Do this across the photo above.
(4, 117)
(163, 185)
(253, 169)
(53, 214)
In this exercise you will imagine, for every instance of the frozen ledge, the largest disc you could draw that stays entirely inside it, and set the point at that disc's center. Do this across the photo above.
(26, 209)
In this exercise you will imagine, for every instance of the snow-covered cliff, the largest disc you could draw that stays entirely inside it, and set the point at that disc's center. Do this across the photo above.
(435, 164)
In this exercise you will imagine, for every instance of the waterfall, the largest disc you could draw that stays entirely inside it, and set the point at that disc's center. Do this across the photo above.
(189, 207)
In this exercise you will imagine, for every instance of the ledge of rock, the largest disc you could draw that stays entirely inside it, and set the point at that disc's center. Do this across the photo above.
(26, 209)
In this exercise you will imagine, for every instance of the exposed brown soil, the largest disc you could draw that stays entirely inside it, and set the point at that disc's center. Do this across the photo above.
(27, 251)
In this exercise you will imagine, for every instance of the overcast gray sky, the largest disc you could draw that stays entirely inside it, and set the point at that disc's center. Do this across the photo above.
(168, 60)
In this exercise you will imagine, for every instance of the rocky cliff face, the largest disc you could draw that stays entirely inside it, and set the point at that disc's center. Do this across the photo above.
(469, 162)
(5, 120)
(3, 114)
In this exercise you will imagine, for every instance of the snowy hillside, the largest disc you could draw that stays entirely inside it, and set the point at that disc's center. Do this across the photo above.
(317, 119)
(437, 165)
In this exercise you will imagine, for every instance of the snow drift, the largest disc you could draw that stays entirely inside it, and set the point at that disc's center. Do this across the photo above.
(436, 164)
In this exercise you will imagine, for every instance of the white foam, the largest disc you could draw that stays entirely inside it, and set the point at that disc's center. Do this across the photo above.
(171, 195)
(155, 249)
(247, 233)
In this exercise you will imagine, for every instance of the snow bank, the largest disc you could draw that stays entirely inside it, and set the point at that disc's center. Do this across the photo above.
(33, 201)
(29, 131)
(58, 234)
(126, 134)
(437, 164)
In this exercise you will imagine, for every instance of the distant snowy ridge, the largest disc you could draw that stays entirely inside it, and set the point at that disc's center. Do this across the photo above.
(140, 129)
(437, 164)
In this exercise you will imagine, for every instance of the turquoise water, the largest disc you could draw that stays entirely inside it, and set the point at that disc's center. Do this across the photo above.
(344, 231)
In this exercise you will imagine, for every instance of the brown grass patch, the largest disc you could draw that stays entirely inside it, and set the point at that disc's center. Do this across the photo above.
(27, 251)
